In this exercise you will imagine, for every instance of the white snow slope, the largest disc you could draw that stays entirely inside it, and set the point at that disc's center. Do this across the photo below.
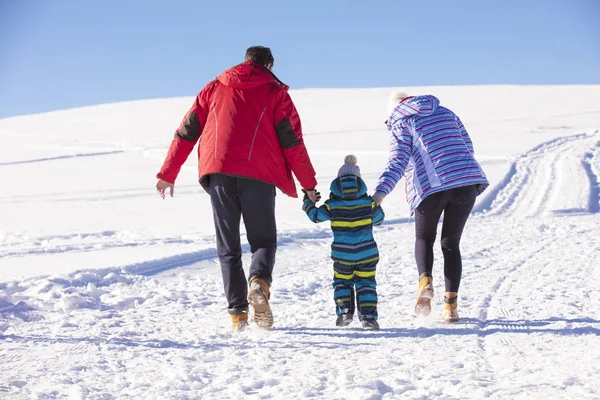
(109, 292)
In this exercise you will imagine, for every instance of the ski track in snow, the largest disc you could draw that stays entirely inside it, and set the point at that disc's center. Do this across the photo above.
(159, 329)
(554, 177)
(37, 160)
(82, 242)
(15, 245)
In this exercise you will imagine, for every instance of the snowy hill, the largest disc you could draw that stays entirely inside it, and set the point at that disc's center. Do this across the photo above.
(107, 291)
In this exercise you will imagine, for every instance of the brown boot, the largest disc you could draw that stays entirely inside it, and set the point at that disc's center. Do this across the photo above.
(239, 322)
(424, 296)
(258, 297)
(450, 313)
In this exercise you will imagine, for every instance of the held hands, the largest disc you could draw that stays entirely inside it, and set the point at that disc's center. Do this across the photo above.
(378, 198)
(311, 195)
(161, 187)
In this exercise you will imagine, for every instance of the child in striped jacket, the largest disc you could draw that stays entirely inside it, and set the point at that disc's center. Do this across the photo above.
(352, 213)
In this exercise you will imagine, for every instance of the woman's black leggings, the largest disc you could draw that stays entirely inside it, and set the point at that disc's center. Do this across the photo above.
(456, 204)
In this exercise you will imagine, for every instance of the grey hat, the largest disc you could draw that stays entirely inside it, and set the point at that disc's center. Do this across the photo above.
(349, 167)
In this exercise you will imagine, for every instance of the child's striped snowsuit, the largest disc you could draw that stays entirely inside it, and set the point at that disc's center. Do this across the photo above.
(354, 252)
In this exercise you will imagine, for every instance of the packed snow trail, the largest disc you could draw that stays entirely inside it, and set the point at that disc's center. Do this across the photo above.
(167, 335)
(554, 177)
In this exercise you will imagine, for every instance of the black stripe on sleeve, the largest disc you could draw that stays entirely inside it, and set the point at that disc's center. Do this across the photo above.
(190, 128)
(286, 135)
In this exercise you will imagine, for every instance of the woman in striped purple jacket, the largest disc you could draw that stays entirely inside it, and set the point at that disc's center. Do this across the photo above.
(431, 148)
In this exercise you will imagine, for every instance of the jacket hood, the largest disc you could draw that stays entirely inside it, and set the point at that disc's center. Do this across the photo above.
(249, 75)
(348, 187)
(416, 105)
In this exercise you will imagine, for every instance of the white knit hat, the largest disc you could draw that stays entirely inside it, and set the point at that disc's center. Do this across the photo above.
(349, 167)
(395, 98)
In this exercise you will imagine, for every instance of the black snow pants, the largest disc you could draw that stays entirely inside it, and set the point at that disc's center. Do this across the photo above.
(456, 204)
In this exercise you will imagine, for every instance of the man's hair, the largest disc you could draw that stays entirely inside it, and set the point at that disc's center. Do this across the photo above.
(260, 55)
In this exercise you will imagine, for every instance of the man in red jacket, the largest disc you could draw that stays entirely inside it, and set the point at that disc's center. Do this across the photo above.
(250, 143)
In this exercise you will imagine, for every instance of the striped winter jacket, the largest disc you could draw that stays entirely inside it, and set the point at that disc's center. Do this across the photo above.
(431, 148)
(353, 214)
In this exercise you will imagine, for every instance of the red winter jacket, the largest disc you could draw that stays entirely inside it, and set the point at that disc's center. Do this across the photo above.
(248, 126)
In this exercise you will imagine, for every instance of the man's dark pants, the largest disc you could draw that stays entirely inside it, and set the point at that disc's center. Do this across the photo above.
(234, 198)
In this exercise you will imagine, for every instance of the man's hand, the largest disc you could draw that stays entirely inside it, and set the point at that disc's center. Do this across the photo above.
(161, 187)
(312, 195)
(378, 198)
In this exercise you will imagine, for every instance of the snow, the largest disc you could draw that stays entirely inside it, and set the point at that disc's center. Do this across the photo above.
(107, 291)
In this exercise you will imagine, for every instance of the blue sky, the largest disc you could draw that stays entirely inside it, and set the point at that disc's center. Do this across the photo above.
(69, 53)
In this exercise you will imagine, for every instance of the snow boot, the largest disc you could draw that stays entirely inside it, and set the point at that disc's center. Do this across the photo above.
(258, 297)
(450, 313)
(344, 319)
(424, 296)
(239, 322)
(370, 324)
